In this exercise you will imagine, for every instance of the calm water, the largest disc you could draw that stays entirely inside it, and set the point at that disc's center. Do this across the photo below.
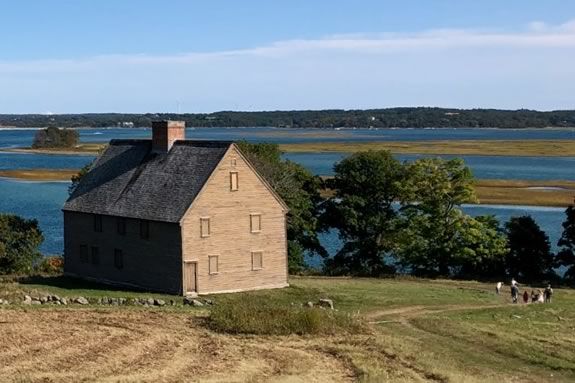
(500, 167)
(43, 200)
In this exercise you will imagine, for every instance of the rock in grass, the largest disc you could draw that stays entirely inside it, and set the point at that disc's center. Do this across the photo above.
(35, 303)
(82, 301)
(159, 302)
(327, 303)
(64, 301)
(309, 304)
(27, 300)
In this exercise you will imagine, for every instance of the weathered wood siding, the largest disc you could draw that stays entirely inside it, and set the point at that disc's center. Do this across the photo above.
(230, 236)
(153, 263)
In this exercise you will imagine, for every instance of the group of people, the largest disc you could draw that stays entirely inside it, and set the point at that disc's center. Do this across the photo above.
(536, 297)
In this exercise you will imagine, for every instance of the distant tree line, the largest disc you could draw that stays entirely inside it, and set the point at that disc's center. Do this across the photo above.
(421, 117)
(56, 138)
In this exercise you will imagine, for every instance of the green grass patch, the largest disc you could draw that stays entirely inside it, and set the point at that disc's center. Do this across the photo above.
(260, 316)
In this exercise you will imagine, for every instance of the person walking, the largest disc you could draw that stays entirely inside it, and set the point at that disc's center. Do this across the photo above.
(548, 293)
(514, 292)
(498, 287)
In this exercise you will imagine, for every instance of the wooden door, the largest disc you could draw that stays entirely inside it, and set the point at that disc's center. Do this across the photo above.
(190, 277)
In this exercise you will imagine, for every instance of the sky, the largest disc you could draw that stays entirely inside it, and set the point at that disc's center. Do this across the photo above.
(143, 56)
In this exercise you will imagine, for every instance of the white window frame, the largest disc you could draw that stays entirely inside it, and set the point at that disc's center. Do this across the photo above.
(210, 271)
(205, 227)
(253, 219)
(235, 187)
(261, 253)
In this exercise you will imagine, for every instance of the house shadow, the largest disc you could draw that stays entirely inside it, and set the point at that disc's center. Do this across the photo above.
(72, 283)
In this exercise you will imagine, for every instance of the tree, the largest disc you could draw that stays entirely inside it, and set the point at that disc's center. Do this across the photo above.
(300, 191)
(529, 254)
(566, 256)
(19, 242)
(438, 237)
(56, 138)
(366, 184)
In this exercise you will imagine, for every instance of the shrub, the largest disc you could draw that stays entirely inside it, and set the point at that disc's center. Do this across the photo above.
(19, 241)
(51, 265)
(264, 317)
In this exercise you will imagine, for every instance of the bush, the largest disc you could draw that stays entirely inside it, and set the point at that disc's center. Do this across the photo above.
(19, 241)
(264, 317)
(51, 265)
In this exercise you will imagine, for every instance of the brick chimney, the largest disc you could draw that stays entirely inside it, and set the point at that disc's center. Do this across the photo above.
(165, 133)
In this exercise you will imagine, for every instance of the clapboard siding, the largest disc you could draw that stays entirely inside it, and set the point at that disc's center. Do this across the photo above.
(153, 263)
(230, 235)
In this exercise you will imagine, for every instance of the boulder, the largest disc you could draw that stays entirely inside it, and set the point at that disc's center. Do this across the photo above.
(44, 300)
(35, 303)
(122, 301)
(159, 302)
(309, 304)
(197, 303)
(114, 301)
(64, 301)
(82, 301)
(54, 298)
(150, 301)
(327, 303)
(209, 302)
(27, 300)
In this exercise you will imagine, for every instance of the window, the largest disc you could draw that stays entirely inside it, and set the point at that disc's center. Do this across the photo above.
(84, 256)
(121, 225)
(98, 223)
(233, 162)
(255, 223)
(144, 229)
(95, 255)
(118, 259)
(257, 260)
(204, 227)
(213, 266)
(233, 181)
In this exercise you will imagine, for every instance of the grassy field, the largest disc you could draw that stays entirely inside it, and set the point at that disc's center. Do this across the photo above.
(544, 148)
(522, 192)
(414, 331)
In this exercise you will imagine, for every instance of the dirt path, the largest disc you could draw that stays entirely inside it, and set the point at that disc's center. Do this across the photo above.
(142, 346)
(403, 314)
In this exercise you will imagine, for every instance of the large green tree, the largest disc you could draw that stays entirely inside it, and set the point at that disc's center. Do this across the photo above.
(438, 237)
(366, 185)
(300, 191)
(529, 254)
(19, 241)
(566, 256)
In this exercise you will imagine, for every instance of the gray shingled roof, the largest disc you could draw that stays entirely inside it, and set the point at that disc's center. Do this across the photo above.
(128, 180)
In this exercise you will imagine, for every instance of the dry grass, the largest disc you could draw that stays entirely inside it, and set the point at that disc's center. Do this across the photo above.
(84, 148)
(40, 174)
(543, 148)
(420, 331)
(521, 192)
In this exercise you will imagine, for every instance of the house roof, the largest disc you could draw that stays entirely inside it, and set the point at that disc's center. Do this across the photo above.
(129, 180)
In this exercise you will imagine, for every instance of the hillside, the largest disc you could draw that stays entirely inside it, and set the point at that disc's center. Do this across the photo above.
(415, 330)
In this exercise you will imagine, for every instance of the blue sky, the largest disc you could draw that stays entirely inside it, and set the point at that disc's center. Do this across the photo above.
(201, 56)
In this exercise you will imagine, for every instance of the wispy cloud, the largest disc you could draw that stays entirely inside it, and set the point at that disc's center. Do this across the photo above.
(448, 67)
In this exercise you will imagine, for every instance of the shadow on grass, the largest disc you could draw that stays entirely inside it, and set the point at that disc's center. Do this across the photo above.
(71, 283)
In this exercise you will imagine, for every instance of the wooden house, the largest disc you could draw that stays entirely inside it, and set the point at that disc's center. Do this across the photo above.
(177, 216)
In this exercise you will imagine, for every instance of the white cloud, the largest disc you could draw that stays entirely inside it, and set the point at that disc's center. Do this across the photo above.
(446, 67)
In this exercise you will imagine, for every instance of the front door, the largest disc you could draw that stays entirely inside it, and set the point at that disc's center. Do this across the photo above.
(190, 277)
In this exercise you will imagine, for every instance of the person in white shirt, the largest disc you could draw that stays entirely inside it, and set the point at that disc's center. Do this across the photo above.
(498, 287)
